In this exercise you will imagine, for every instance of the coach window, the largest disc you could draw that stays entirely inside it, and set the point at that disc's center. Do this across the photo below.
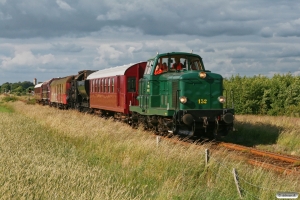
(112, 85)
(108, 85)
(102, 85)
(98, 83)
(105, 85)
(131, 84)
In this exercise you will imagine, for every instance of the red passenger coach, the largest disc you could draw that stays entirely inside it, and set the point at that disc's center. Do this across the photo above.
(59, 92)
(113, 90)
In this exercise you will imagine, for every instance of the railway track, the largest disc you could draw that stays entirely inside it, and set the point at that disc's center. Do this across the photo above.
(268, 160)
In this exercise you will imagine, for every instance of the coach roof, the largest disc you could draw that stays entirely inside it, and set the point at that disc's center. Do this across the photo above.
(113, 71)
(38, 85)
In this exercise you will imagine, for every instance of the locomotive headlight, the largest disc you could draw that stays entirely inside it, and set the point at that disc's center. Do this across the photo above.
(221, 99)
(202, 75)
(183, 99)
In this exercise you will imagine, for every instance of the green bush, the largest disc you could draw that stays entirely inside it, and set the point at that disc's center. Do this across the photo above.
(278, 95)
(9, 98)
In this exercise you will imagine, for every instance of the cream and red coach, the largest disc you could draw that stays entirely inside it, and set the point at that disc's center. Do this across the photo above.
(59, 92)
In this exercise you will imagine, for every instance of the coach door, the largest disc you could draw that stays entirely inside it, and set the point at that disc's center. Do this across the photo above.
(118, 90)
(131, 89)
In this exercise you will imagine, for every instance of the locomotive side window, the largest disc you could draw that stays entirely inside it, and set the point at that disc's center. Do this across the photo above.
(131, 84)
(195, 65)
(149, 67)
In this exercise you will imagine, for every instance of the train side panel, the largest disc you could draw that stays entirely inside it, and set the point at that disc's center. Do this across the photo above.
(59, 91)
(115, 91)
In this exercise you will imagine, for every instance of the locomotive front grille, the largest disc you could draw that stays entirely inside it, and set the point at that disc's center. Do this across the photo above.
(174, 94)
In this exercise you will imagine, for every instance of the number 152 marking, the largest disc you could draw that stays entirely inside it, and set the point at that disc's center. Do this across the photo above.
(202, 101)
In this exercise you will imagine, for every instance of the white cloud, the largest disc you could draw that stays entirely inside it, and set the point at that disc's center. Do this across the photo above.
(290, 28)
(297, 73)
(106, 53)
(110, 16)
(63, 5)
(25, 59)
(5, 17)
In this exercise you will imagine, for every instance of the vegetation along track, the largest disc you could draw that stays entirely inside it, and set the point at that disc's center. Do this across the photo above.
(268, 160)
(276, 162)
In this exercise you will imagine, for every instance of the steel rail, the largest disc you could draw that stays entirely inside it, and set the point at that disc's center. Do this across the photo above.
(273, 167)
(260, 152)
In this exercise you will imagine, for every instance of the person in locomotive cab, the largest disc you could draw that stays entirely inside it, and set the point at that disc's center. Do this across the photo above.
(165, 67)
(158, 69)
(161, 68)
(177, 65)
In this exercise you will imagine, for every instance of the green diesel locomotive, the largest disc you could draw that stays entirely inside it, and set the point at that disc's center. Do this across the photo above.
(177, 95)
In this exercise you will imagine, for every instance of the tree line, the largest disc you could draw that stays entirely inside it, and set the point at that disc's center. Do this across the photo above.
(279, 95)
(19, 88)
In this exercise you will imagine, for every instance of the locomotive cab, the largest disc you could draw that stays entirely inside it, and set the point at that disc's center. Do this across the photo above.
(177, 95)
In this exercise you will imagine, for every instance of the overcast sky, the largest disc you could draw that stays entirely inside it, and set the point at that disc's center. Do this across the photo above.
(54, 38)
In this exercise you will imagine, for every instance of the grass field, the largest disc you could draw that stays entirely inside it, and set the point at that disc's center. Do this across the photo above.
(276, 134)
(54, 154)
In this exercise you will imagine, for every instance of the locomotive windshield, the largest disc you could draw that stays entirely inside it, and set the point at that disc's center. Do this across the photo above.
(172, 63)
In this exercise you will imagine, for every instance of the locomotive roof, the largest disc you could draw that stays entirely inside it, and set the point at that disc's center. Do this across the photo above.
(38, 85)
(175, 54)
(113, 71)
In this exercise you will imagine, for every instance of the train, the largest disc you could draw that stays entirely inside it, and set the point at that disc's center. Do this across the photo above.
(169, 94)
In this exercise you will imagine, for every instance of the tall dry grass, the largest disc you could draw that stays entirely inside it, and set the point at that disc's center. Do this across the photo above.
(276, 134)
(55, 154)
